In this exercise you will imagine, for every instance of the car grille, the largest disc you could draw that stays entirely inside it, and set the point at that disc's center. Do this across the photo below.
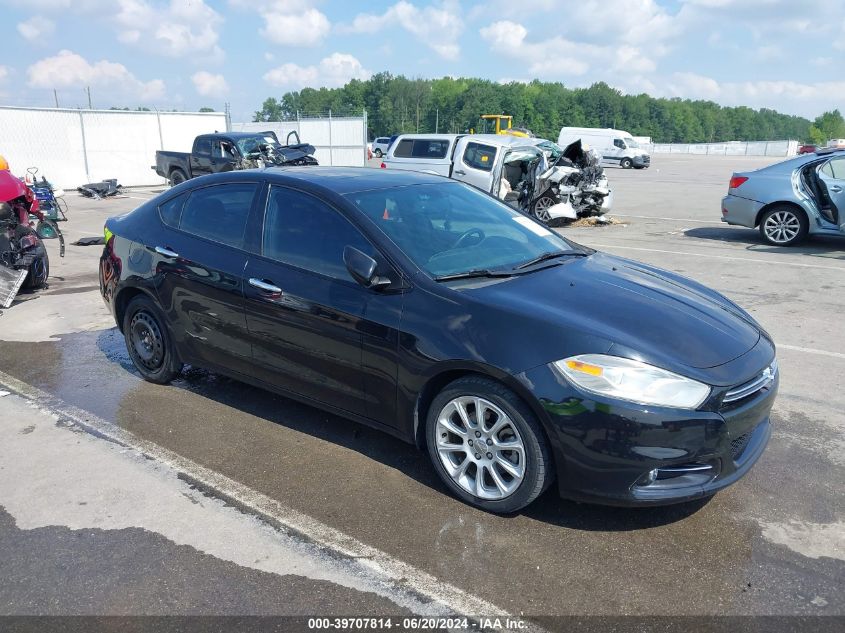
(753, 386)
(739, 444)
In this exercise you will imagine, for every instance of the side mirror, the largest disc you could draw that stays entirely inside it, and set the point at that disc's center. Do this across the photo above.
(362, 267)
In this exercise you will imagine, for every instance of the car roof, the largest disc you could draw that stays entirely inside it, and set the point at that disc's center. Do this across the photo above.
(344, 180)
(237, 135)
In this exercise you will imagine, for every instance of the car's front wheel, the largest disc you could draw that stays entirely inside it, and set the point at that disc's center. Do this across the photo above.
(626, 163)
(148, 342)
(541, 208)
(487, 445)
(783, 226)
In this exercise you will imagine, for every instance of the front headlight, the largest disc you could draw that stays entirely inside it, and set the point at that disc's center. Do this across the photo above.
(632, 380)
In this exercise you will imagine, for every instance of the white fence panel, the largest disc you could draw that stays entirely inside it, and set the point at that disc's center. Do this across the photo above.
(72, 147)
(738, 148)
(338, 141)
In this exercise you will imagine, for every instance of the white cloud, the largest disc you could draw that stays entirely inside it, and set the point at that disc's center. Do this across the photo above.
(36, 27)
(181, 28)
(332, 71)
(306, 28)
(4, 72)
(570, 58)
(633, 22)
(69, 69)
(210, 85)
(436, 26)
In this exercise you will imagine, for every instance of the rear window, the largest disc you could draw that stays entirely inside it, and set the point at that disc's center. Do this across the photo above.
(421, 148)
(219, 212)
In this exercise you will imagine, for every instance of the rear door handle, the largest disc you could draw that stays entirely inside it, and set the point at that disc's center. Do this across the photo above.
(836, 189)
(166, 252)
(460, 172)
(265, 286)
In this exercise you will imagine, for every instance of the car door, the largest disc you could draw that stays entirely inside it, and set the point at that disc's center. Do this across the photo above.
(305, 313)
(201, 158)
(222, 156)
(475, 165)
(832, 179)
(200, 269)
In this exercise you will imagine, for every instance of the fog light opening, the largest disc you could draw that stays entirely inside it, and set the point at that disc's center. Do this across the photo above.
(679, 475)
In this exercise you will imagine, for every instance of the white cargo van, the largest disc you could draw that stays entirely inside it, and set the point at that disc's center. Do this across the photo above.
(615, 146)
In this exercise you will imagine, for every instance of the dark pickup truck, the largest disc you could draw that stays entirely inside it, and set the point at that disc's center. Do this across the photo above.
(213, 153)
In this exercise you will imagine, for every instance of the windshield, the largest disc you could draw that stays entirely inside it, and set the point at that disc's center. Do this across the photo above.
(450, 228)
(630, 142)
(250, 144)
(552, 150)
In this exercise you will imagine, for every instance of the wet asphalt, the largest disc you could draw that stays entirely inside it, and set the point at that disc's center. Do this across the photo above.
(773, 544)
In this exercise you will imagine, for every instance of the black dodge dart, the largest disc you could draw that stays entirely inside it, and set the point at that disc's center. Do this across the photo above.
(428, 309)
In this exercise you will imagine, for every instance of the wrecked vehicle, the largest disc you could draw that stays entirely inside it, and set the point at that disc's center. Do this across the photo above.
(574, 184)
(532, 175)
(102, 189)
(21, 248)
(230, 151)
(791, 199)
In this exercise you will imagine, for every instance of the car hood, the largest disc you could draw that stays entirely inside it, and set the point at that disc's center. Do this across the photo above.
(643, 312)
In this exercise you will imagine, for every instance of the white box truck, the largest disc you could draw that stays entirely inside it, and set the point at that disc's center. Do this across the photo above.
(615, 146)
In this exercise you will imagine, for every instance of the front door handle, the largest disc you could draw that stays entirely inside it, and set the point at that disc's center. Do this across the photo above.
(166, 252)
(265, 286)
(460, 172)
(836, 189)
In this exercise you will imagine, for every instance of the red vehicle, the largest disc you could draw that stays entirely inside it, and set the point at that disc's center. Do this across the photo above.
(807, 148)
(20, 246)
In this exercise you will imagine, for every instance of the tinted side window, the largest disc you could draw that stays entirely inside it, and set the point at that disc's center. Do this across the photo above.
(171, 211)
(618, 143)
(479, 156)
(404, 148)
(430, 149)
(219, 213)
(203, 146)
(305, 232)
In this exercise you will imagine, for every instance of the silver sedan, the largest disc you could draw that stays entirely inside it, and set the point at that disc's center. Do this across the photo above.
(789, 200)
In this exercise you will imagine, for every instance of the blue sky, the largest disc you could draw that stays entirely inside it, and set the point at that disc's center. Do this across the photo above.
(781, 54)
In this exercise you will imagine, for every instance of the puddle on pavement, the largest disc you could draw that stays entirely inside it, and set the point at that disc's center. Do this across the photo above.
(560, 557)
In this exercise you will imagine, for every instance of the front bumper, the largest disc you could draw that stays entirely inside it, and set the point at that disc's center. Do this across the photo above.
(604, 450)
(642, 161)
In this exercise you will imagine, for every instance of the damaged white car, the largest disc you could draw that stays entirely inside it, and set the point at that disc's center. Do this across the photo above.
(533, 175)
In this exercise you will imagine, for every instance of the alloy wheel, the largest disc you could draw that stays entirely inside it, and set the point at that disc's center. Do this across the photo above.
(480, 448)
(541, 209)
(782, 227)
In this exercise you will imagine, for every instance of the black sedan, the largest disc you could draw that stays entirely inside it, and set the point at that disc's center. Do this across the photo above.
(430, 310)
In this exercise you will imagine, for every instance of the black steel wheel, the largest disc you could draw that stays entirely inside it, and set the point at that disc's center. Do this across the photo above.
(177, 176)
(148, 342)
(626, 163)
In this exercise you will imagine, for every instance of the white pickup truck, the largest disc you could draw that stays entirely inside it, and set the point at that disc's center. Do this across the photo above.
(521, 171)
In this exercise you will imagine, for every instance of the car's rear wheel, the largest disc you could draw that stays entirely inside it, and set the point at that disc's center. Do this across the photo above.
(541, 208)
(626, 163)
(783, 226)
(177, 176)
(487, 446)
(148, 342)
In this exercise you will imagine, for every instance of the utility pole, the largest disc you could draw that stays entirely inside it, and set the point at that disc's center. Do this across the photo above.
(88, 90)
(56, 97)
(436, 120)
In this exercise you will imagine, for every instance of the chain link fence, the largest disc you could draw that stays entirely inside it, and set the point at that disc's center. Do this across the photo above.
(74, 147)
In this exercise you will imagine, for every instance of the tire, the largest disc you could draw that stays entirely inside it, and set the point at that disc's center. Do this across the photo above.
(540, 206)
(177, 176)
(148, 342)
(626, 163)
(449, 446)
(784, 225)
(378, 153)
(38, 273)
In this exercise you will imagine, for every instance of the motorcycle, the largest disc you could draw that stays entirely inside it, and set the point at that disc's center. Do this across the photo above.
(21, 248)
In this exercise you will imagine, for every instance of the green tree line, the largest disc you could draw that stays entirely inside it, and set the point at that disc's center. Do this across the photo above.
(397, 104)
